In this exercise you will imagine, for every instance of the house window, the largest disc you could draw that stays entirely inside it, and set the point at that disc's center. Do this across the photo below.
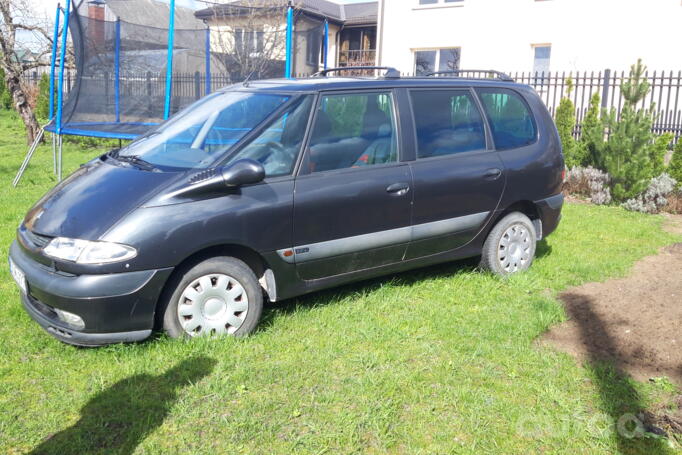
(429, 61)
(542, 54)
(314, 41)
(248, 42)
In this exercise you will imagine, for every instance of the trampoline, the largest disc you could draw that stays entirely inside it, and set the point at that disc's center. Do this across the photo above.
(125, 72)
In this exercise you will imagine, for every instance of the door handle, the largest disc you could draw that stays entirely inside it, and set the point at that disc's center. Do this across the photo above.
(493, 174)
(398, 189)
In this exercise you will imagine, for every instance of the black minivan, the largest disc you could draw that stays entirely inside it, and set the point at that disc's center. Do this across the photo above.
(272, 189)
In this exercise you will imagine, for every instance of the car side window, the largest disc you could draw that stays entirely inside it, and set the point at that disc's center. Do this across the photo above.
(447, 121)
(353, 130)
(510, 119)
(278, 146)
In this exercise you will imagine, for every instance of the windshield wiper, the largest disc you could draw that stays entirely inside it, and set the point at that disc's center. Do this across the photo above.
(135, 160)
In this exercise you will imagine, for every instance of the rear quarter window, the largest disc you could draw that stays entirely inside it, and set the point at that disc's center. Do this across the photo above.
(511, 121)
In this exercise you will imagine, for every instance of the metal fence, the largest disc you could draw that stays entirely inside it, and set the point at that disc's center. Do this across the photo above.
(664, 96)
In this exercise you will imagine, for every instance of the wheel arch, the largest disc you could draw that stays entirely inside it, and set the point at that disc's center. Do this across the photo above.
(528, 208)
(254, 260)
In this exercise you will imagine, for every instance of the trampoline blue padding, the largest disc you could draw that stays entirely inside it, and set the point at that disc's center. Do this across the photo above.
(104, 130)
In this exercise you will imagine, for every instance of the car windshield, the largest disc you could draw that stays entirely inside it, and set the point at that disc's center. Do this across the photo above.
(200, 134)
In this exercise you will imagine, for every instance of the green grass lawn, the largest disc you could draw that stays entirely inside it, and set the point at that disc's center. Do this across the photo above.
(436, 361)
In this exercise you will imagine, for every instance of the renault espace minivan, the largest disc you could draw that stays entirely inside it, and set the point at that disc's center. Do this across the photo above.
(268, 190)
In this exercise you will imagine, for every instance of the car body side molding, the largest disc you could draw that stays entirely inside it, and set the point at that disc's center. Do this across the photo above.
(354, 244)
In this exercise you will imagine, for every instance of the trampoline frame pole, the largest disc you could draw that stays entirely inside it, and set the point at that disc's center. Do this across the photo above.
(117, 70)
(59, 158)
(54, 153)
(208, 61)
(60, 88)
(62, 57)
(326, 42)
(53, 60)
(169, 64)
(290, 31)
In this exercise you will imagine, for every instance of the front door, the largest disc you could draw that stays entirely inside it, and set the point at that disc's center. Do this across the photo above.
(353, 196)
(458, 179)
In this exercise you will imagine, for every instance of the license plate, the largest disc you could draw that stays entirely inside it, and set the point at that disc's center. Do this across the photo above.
(18, 276)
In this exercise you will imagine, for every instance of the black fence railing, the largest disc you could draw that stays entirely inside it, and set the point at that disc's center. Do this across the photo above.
(664, 97)
(665, 94)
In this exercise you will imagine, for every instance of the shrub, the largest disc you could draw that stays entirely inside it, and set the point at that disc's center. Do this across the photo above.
(654, 199)
(658, 152)
(588, 182)
(592, 134)
(42, 109)
(5, 95)
(565, 123)
(675, 166)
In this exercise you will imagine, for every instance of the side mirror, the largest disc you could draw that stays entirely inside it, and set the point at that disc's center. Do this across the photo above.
(243, 172)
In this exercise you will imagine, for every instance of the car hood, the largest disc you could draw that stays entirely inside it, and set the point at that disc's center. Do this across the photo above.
(92, 199)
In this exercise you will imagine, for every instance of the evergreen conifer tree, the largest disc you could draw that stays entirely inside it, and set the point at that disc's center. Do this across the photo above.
(628, 151)
(592, 135)
(565, 123)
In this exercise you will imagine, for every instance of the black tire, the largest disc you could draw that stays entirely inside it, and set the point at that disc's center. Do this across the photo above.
(522, 250)
(214, 268)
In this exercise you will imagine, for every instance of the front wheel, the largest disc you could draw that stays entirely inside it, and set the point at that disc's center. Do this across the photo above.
(219, 296)
(510, 246)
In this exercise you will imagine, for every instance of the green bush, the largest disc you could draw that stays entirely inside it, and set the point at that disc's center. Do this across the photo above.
(658, 152)
(42, 110)
(5, 95)
(592, 135)
(675, 166)
(565, 123)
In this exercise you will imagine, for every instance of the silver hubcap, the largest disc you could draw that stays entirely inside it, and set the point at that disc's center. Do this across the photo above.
(513, 252)
(213, 304)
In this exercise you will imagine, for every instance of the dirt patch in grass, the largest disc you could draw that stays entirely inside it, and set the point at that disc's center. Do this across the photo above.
(635, 323)
(639, 319)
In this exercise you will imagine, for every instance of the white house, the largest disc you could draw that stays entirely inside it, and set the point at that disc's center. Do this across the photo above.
(527, 35)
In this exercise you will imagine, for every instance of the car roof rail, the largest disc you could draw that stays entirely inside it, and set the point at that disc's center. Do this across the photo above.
(498, 74)
(390, 73)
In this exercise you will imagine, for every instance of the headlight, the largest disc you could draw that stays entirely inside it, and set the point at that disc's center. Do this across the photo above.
(87, 252)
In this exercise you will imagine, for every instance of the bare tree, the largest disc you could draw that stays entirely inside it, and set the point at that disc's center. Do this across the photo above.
(249, 37)
(21, 16)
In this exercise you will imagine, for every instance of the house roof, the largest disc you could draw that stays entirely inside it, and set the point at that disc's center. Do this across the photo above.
(361, 13)
(351, 14)
(150, 13)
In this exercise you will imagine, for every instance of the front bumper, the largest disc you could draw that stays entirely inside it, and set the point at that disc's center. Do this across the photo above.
(116, 307)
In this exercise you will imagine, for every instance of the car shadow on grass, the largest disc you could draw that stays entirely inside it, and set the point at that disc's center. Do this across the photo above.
(117, 419)
(407, 278)
(619, 398)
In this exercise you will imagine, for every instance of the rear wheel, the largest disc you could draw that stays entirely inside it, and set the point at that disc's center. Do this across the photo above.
(510, 246)
(219, 296)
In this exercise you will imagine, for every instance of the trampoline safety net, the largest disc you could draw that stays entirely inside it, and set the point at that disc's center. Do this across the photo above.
(120, 84)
